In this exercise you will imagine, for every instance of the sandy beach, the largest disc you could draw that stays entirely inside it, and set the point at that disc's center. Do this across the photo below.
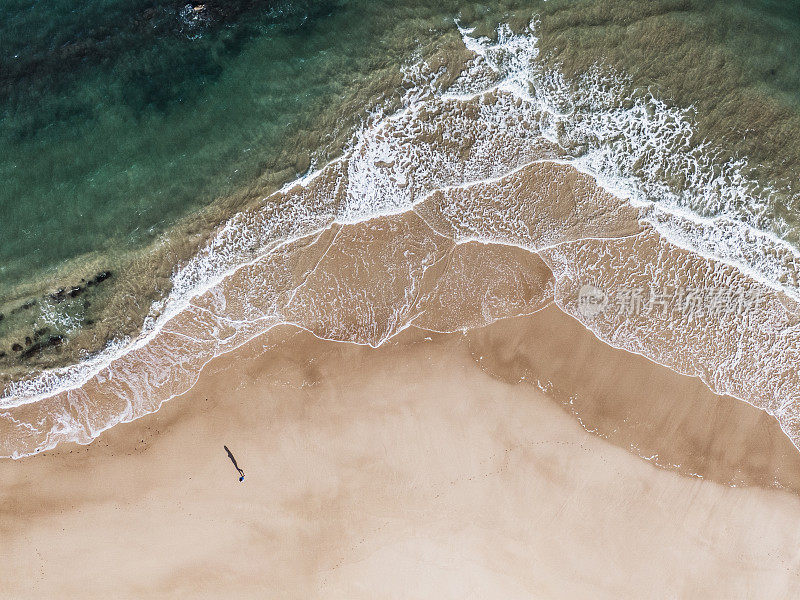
(432, 467)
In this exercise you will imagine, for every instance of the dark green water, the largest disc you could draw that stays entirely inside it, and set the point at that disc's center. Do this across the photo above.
(119, 118)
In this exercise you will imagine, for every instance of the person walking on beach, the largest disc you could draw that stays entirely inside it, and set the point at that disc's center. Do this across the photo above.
(233, 460)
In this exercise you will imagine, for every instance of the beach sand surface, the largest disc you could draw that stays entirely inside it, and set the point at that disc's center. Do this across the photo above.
(435, 466)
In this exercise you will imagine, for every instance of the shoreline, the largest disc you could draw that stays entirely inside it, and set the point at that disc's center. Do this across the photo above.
(541, 322)
(375, 465)
(423, 211)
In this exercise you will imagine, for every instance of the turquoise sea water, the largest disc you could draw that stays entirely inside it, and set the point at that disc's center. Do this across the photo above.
(119, 119)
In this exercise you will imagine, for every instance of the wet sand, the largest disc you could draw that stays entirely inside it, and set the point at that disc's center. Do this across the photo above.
(672, 420)
(431, 467)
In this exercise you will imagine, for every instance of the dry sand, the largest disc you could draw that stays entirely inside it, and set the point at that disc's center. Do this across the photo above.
(422, 469)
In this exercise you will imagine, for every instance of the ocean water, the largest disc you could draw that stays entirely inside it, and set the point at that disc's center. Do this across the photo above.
(333, 165)
(130, 129)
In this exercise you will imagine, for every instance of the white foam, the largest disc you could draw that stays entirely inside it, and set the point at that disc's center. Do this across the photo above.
(628, 145)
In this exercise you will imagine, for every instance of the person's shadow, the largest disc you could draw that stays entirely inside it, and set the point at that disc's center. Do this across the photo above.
(233, 460)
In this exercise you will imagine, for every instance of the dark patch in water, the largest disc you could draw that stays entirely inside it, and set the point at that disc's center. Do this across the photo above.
(58, 295)
(99, 278)
(28, 305)
(38, 338)
(152, 55)
(63, 293)
(51, 342)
